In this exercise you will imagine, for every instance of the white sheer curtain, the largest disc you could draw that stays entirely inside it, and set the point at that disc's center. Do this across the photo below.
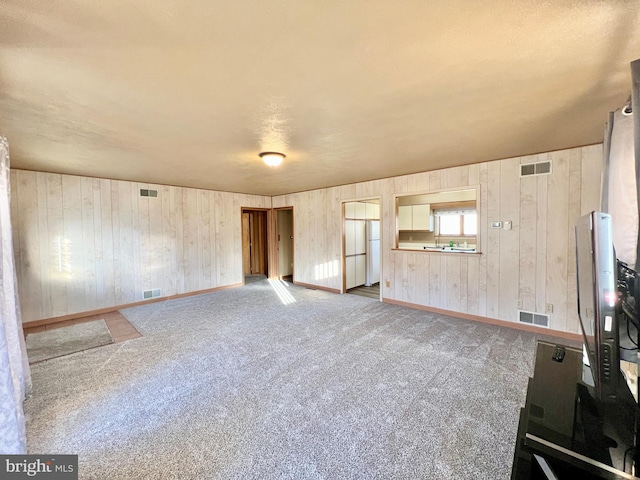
(15, 376)
(621, 176)
(619, 188)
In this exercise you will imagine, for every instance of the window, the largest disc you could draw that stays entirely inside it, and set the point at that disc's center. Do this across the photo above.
(462, 224)
(450, 224)
(470, 224)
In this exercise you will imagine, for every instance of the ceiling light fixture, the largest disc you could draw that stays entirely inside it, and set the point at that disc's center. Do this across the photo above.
(273, 159)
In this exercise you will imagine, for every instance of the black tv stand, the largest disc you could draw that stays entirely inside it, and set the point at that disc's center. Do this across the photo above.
(564, 432)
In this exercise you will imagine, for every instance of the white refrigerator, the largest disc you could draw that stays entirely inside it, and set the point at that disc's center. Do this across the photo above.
(373, 252)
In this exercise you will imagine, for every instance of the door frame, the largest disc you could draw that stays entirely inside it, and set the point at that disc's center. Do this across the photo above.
(343, 286)
(273, 241)
(267, 258)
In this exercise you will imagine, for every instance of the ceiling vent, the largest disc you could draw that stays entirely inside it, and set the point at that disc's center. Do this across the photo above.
(540, 168)
(533, 318)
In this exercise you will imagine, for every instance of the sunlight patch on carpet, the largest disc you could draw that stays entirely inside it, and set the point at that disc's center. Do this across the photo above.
(282, 290)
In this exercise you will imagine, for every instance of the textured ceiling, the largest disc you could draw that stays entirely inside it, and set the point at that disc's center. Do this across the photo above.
(188, 93)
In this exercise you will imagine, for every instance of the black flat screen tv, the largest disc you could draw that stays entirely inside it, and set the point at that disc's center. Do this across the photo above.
(596, 268)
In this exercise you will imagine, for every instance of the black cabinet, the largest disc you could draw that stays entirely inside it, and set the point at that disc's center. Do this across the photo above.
(564, 432)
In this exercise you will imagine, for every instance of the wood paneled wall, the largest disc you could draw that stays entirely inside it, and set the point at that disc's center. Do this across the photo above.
(85, 243)
(533, 263)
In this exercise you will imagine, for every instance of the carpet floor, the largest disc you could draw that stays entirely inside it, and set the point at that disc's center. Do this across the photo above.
(241, 384)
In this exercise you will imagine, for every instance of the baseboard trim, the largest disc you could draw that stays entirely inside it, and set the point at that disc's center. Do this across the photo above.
(466, 316)
(100, 311)
(501, 323)
(316, 287)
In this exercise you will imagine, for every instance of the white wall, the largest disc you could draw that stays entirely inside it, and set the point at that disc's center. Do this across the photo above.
(534, 262)
(84, 243)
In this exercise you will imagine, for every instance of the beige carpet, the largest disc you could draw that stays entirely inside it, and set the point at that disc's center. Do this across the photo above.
(66, 340)
(277, 381)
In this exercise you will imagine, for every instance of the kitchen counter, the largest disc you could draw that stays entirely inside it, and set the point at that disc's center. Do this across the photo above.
(433, 248)
(428, 248)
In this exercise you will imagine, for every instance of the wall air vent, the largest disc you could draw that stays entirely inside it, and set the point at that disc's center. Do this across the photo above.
(151, 293)
(533, 318)
(148, 193)
(540, 168)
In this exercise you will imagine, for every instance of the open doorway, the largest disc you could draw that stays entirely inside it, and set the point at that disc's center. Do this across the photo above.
(361, 247)
(284, 227)
(254, 244)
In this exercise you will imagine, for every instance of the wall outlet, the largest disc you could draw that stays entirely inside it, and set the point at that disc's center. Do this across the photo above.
(519, 304)
(549, 308)
(387, 283)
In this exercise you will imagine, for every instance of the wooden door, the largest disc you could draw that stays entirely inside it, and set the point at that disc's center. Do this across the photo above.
(254, 242)
(246, 244)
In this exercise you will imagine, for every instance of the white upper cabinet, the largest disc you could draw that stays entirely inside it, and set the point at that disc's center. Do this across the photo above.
(361, 210)
(350, 210)
(422, 218)
(405, 217)
(415, 217)
(373, 211)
